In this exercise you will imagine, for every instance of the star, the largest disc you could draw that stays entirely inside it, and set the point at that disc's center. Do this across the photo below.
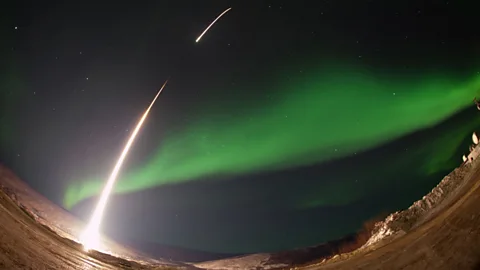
(16, 27)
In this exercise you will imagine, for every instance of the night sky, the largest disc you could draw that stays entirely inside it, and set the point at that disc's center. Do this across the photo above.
(289, 124)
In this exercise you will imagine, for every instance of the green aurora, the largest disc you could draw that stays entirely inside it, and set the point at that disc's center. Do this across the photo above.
(311, 122)
(426, 157)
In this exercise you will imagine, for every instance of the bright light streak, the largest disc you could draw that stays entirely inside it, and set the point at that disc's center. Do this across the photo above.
(90, 237)
(219, 16)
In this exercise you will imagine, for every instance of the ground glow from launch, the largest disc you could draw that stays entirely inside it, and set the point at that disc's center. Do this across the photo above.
(90, 237)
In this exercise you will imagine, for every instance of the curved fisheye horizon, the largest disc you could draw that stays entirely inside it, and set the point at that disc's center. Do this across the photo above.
(284, 127)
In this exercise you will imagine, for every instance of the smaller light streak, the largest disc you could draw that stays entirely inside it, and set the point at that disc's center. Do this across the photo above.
(219, 16)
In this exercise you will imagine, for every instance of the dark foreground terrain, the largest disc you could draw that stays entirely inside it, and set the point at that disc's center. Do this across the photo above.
(441, 231)
(26, 244)
(447, 239)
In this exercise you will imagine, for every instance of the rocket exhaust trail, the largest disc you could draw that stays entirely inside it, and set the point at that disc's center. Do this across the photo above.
(219, 16)
(90, 237)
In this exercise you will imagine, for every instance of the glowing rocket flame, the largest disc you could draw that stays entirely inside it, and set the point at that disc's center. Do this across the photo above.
(219, 16)
(90, 237)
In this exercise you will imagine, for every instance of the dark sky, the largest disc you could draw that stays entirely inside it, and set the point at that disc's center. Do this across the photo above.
(290, 123)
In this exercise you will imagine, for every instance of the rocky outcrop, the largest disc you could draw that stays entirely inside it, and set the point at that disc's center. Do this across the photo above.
(403, 221)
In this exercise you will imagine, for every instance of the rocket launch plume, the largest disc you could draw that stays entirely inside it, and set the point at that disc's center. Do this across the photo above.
(90, 237)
